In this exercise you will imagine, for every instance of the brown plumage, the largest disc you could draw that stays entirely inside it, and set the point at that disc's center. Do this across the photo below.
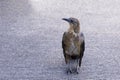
(73, 44)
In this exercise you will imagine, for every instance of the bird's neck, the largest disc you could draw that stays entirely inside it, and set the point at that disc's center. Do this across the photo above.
(73, 29)
(77, 29)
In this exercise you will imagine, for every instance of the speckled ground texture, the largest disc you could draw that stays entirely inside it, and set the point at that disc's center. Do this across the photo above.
(31, 33)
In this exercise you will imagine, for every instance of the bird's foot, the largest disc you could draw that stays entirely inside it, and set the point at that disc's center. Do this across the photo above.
(69, 71)
(76, 72)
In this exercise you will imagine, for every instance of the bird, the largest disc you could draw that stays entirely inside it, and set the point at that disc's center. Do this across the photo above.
(73, 45)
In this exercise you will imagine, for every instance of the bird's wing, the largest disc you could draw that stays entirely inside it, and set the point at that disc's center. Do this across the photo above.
(65, 46)
(82, 43)
(63, 43)
(82, 47)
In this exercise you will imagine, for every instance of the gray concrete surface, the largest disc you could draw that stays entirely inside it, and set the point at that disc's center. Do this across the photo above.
(31, 32)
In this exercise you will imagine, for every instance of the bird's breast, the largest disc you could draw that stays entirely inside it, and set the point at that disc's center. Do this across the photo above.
(73, 49)
(72, 44)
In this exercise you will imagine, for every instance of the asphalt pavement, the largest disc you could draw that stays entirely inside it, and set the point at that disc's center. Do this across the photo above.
(31, 33)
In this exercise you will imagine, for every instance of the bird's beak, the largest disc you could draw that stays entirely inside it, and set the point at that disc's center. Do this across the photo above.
(68, 20)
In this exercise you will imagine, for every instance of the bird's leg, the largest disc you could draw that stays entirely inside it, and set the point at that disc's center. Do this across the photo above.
(80, 62)
(67, 59)
(69, 68)
(77, 67)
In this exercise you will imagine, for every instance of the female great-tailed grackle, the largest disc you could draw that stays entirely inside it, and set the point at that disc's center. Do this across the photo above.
(73, 45)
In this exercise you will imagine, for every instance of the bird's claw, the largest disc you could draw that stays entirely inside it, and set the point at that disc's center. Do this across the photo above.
(69, 71)
(77, 72)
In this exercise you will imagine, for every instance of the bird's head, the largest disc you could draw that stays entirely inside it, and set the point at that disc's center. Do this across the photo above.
(74, 23)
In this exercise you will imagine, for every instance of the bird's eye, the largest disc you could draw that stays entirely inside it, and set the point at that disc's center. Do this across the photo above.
(71, 21)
